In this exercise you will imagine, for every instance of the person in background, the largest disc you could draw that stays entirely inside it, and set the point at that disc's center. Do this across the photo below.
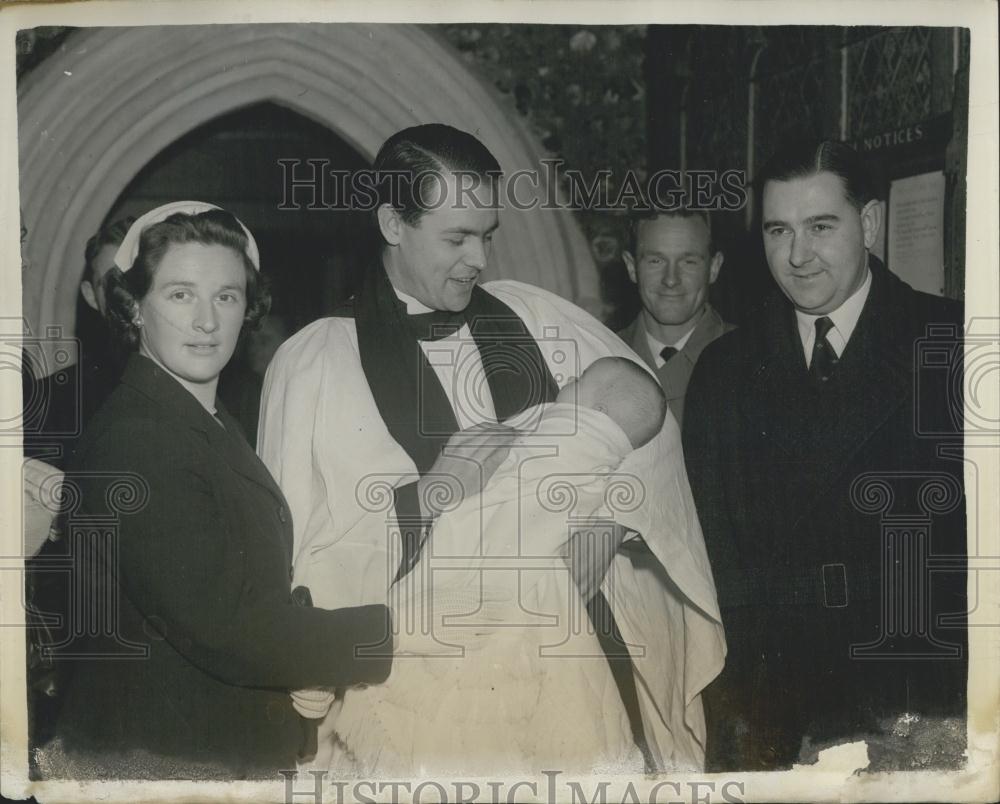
(826, 468)
(101, 359)
(99, 258)
(186, 674)
(57, 407)
(66, 398)
(673, 261)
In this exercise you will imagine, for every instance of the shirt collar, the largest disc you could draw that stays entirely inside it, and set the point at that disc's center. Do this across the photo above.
(844, 318)
(656, 346)
(413, 306)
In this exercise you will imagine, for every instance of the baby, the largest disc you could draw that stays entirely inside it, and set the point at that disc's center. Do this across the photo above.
(497, 666)
(625, 392)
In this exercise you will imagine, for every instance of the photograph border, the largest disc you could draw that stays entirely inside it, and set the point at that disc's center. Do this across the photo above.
(836, 776)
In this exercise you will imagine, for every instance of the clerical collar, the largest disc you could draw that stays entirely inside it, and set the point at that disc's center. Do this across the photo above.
(844, 318)
(413, 306)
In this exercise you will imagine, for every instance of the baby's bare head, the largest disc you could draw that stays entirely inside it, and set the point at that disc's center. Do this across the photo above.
(624, 391)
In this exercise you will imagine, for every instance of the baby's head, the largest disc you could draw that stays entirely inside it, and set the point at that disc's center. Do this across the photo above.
(624, 391)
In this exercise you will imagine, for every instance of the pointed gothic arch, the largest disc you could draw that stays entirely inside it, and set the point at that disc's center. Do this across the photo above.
(94, 113)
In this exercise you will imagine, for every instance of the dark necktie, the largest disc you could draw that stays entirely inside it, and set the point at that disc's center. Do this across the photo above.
(667, 352)
(823, 356)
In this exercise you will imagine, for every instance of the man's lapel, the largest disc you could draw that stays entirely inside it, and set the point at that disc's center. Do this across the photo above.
(676, 373)
(635, 336)
(709, 327)
(823, 429)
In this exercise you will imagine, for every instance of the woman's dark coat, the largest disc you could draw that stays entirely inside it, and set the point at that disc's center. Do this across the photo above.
(205, 640)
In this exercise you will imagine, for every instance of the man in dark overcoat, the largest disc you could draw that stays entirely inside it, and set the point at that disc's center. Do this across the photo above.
(823, 445)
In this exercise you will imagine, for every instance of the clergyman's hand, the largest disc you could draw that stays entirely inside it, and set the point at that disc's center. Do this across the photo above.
(464, 466)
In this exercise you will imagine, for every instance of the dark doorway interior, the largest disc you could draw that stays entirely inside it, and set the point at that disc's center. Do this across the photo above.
(310, 255)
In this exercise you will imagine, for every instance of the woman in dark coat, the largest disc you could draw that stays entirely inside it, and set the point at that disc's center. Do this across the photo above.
(201, 639)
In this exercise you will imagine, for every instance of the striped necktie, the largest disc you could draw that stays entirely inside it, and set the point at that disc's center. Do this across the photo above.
(823, 356)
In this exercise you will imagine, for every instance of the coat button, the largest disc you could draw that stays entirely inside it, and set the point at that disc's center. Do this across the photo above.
(282, 513)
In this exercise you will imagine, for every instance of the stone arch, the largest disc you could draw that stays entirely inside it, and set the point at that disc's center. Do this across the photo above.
(93, 114)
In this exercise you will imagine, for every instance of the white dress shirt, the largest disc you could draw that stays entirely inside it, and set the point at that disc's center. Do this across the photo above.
(656, 346)
(844, 318)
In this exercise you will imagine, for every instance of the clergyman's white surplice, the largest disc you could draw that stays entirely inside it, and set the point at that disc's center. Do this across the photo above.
(497, 669)
(322, 437)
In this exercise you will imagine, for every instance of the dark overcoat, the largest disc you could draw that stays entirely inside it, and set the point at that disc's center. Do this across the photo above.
(195, 640)
(834, 517)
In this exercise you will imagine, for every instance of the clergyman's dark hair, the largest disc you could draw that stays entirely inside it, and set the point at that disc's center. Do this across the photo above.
(808, 158)
(411, 164)
(212, 228)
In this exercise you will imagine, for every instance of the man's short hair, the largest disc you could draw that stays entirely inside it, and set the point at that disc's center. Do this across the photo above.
(637, 218)
(810, 157)
(412, 157)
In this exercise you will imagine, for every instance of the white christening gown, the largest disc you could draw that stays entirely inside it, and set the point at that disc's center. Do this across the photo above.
(497, 669)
